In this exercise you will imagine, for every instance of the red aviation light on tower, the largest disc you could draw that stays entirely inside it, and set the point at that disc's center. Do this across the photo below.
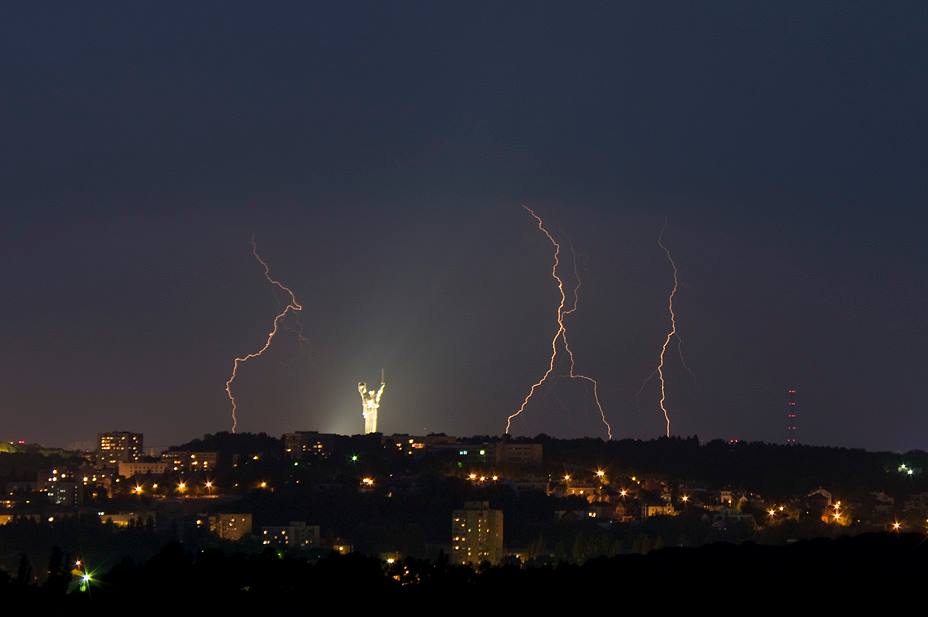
(792, 418)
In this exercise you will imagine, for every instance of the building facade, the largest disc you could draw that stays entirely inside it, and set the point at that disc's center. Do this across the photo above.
(183, 461)
(309, 444)
(476, 534)
(142, 468)
(119, 446)
(230, 526)
(297, 534)
(523, 455)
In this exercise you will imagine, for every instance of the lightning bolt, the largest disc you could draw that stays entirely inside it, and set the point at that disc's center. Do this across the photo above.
(561, 332)
(559, 316)
(670, 333)
(573, 374)
(292, 307)
(683, 362)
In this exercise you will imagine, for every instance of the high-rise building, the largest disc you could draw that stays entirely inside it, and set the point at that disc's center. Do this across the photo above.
(792, 418)
(119, 446)
(476, 534)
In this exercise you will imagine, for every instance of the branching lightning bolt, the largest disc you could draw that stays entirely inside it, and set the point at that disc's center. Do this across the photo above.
(573, 374)
(686, 366)
(559, 316)
(670, 333)
(292, 307)
(561, 333)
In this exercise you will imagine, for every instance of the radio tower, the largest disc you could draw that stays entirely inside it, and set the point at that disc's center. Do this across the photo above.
(792, 418)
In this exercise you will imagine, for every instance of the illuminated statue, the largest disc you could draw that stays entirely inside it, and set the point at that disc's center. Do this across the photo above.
(370, 400)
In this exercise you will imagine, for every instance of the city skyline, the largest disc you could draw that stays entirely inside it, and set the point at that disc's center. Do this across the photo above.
(382, 159)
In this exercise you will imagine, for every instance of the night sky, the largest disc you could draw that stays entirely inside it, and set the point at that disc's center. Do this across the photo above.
(380, 153)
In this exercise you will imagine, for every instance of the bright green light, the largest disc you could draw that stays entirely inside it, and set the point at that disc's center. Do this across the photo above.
(354, 458)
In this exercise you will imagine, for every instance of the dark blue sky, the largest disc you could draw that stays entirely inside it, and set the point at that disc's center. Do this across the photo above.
(380, 153)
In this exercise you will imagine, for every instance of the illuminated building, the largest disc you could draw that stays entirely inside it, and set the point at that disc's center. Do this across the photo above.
(128, 519)
(67, 493)
(651, 510)
(185, 461)
(408, 445)
(119, 446)
(370, 402)
(62, 487)
(143, 468)
(297, 534)
(587, 490)
(504, 454)
(230, 526)
(476, 534)
(309, 444)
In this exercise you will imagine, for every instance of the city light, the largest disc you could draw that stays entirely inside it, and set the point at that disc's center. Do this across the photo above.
(897, 526)
(367, 481)
(566, 477)
(600, 473)
(181, 487)
(685, 498)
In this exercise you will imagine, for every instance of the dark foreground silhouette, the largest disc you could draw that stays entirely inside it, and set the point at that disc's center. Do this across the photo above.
(879, 566)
